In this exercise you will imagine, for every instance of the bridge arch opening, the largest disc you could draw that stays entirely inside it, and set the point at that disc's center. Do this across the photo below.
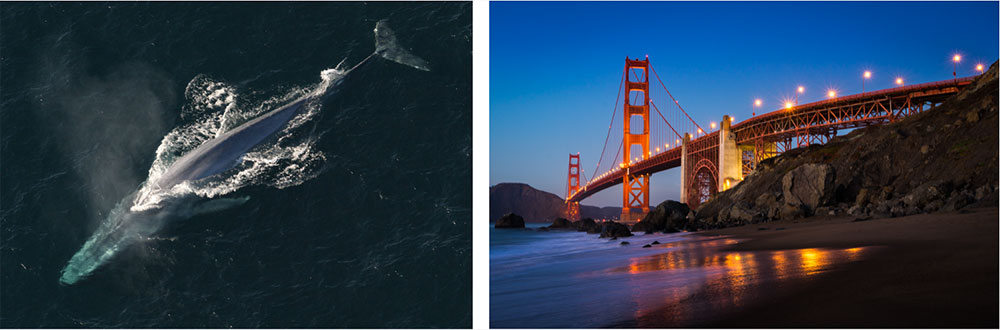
(703, 183)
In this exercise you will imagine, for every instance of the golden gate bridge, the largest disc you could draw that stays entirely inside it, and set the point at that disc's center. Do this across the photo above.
(717, 159)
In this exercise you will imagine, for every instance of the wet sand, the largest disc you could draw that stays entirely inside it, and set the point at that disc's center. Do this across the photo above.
(929, 270)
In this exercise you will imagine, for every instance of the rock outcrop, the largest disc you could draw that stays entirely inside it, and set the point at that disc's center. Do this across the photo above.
(808, 186)
(614, 229)
(561, 223)
(669, 216)
(510, 220)
(586, 225)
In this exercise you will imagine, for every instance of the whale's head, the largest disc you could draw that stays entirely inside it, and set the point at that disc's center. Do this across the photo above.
(121, 229)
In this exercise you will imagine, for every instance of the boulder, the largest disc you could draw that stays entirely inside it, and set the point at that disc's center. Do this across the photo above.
(669, 216)
(808, 186)
(561, 223)
(862, 198)
(586, 225)
(510, 220)
(789, 211)
(744, 214)
(624, 243)
(768, 205)
(958, 200)
(922, 195)
(614, 229)
(643, 226)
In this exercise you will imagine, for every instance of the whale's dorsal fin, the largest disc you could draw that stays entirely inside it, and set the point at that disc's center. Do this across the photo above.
(387, 47)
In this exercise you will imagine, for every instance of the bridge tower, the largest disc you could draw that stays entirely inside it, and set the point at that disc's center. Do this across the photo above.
(572, 186)
(635, 188)
(730, 163)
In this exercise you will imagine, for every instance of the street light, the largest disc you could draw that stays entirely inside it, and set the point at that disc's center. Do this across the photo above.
(756, 103)
(979, 67)
(800, 91)
(788, 105)
(712, 125)
(868, 74)
(955, 59)
(899, 81)
(831, 93)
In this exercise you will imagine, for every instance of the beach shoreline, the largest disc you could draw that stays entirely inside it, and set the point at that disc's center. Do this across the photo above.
(928, 270)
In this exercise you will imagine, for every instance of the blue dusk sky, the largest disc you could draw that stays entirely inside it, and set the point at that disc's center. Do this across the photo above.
(555, 68)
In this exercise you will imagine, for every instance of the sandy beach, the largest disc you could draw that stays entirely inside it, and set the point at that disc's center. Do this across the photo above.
(927, 270)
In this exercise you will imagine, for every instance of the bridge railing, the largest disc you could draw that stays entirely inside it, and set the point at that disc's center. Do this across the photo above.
(855, 97)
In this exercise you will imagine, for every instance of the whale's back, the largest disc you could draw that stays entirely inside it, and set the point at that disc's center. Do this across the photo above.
(223, 152)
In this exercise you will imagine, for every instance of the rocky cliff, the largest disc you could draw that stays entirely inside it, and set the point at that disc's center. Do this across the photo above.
(536, 205)
(943, 159)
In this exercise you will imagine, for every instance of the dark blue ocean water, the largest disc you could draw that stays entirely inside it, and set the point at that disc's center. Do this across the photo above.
(359, 216)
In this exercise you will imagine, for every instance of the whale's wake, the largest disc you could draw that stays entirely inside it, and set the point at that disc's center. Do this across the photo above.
(213, 108)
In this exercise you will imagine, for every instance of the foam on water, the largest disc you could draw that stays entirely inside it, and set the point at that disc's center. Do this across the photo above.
(213, 109)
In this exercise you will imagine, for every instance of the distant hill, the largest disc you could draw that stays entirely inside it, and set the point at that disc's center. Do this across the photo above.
(538, 206)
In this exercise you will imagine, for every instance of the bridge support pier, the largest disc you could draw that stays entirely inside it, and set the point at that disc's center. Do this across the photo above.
(684, 167)
(573, 211)
(730, 157)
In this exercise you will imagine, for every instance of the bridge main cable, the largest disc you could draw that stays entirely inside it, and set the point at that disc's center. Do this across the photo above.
(665, 119)
(675, 100)
(613, 113)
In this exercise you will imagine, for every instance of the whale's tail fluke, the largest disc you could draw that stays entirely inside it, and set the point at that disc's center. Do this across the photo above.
(387, 47)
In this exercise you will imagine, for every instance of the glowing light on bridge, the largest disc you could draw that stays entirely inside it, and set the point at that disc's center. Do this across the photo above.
(700, 131)
(954, 73)
(899, 81)
(731, 118)
(788, 104)
(867, 75)
(657, 149)
(802, 89)
(831, 93)
(712, 125)
(756, 103)
(678, 141)
(979, 67)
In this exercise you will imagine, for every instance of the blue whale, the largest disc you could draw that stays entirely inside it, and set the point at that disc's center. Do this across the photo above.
(223, 152)
(124, 226)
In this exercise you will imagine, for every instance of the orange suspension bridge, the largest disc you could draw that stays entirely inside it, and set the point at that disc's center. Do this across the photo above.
(717, 159)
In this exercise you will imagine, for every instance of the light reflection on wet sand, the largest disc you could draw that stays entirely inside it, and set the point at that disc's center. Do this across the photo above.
(688, 281)
(729, 282)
